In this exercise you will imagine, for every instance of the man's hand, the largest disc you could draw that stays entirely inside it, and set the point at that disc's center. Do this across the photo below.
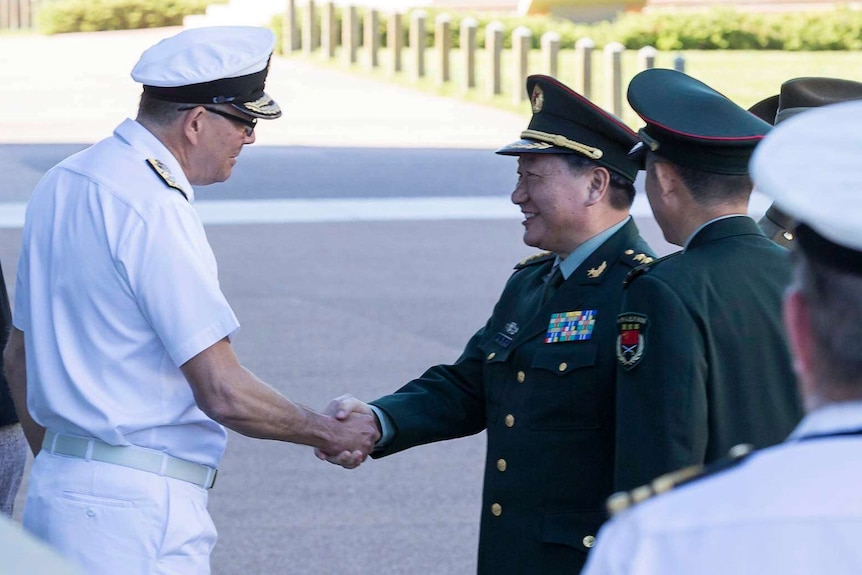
(349, 410)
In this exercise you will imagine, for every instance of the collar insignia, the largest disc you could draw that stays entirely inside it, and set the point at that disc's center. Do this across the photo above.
(597, 271)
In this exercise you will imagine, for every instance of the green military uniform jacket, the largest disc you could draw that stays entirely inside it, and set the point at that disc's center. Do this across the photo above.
(548, 409)
(703, 359)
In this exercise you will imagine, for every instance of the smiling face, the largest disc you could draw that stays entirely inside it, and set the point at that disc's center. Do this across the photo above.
(554, 200)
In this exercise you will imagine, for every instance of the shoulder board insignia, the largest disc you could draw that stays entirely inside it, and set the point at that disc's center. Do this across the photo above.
(645, 266)
(165, 174)
(534, 259)
(623, 500)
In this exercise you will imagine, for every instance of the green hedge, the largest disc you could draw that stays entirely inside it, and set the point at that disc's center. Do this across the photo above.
(716, 29)
(61, 16)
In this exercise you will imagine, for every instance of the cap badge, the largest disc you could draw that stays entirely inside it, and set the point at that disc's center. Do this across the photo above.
(165, 174)
(631, 342)
(571, 326)
(537, 99)
(263, 105)
(597, 271)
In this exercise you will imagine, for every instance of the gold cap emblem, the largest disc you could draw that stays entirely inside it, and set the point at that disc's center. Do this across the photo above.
(537, 99)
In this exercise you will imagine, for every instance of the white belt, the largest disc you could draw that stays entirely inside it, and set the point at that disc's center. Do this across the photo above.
(130, 456)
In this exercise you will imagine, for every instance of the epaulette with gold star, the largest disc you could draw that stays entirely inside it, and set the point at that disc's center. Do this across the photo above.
(535, 259)
(165, 174)
(635, 258)
(644, 266)
(623, 500)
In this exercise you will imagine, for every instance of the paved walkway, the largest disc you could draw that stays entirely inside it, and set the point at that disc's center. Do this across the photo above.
(76, 88)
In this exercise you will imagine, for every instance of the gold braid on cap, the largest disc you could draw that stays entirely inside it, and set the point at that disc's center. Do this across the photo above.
(563, 142)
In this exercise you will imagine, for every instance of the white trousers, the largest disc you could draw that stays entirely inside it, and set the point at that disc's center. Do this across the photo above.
(111, 519)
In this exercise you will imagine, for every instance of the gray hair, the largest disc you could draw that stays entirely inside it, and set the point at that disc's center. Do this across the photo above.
(159, 112)
(834, 300)
(622, 191)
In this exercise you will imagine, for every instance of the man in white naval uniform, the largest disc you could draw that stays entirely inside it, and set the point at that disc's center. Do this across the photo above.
(120, 361)
(794, 507)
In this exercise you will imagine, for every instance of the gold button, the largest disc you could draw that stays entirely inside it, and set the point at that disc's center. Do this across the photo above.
(496, 509)
(501, 464)
(510, 420)
(522, 377)
(589, 541)
(629, 252)
(564, 366)
(491, 356)
(788, 236)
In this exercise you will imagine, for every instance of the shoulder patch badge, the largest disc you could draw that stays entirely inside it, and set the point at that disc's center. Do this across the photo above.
(631, 341)
(165, 174)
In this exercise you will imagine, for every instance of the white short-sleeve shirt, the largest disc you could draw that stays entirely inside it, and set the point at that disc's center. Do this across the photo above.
(117, 287)
(794, 508)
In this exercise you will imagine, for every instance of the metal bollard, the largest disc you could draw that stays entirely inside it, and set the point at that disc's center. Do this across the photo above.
(443, 46)
(646, 58)
(395, 40)
(469, 26)
(417, 43)
(494, 47)
(521, 40)
(372, 38)
(584, 57)
(550, 52)
(613, 77)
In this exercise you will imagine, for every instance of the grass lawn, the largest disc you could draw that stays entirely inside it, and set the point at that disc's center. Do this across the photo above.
(746, 77)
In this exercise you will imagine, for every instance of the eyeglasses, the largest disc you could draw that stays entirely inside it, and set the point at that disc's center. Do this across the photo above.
(248, 125)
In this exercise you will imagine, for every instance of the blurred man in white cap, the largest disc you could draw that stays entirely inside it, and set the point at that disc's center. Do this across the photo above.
(794, 507)
(120, 360)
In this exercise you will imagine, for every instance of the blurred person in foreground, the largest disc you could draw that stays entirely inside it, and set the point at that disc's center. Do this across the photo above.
(120, 361)
(792, 508)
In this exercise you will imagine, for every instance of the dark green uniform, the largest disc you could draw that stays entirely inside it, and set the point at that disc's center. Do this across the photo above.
(703, 360)
(548, 409)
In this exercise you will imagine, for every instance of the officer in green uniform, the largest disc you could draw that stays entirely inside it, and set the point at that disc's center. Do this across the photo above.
(796, 96)
(703, 361)
(539, 376)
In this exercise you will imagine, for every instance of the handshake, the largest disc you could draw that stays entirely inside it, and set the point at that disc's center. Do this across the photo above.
(356, 434)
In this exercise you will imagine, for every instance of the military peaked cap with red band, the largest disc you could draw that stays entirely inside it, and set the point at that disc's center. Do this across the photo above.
(692, 125)
(212, 65)
(564, 122)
